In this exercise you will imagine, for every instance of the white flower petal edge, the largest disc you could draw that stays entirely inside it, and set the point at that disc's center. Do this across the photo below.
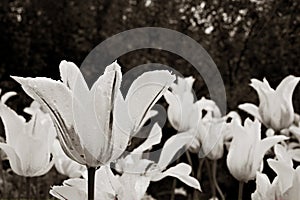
(22, 140)
(182, 172)
(91, 133)
(247, 150)
(275, 108)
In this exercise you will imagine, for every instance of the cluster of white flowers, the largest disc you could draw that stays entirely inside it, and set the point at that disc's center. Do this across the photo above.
(85, 132)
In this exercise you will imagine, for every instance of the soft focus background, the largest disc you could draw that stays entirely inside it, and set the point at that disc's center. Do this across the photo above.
(245, 38)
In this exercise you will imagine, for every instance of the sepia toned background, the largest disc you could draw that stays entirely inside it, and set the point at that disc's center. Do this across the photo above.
(246, 39)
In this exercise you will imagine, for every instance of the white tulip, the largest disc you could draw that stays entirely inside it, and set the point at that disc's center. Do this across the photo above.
(247, 149)
(94, 126)
(28, 144)
(275, 108)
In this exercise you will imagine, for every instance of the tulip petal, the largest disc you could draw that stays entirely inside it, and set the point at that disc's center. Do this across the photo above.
(121, 129)
(104, 92)
(73, 79)
(64, 164)
(171, 147)
(13, 158)
(144, 92)
(106, 181)
(180, 171)
(238, 161)
(154, 138)
(251, 109)
(264, 145)
(6, 96)
(135, 186)
(263, 186)
(174, 110)
(209, 106)
(282, 154)
(284, 172)
(66, 193)
(57, 100)
(13, 124)
(287, 87)
(295, 154)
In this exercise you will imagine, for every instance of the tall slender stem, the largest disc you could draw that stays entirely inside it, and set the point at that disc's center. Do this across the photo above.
(198, 176)
(189, 159)
(174, 185)
(91, 182)
(2, 177)
(212, 186)
(214, 175)
(241, 187)
(28, 180)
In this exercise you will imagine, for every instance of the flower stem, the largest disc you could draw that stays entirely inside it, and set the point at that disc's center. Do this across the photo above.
(214, 176)
(189, 159)
(91, 182)
(241, 187)
(28, 180)
(2, 177)
(212, 186)
(174, 185)
(198, 176)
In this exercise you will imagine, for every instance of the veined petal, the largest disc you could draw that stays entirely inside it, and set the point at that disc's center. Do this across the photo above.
(57, 100)
(67, 192)
(64, 164)
(180, 171)
(14, 159)
(144, 92)
(105, 91)
(251, 109)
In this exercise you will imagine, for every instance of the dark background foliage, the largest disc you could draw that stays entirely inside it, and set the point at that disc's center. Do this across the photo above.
(246, 39)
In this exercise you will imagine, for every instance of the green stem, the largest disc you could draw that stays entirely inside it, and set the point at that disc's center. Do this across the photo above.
(214, 175)
(212, 186)
(91, 182)
(241, 187)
